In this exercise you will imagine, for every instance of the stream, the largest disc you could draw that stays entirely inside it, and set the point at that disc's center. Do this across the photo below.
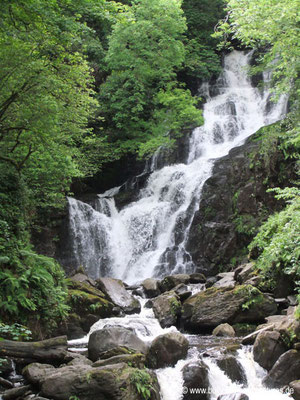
(135, 243)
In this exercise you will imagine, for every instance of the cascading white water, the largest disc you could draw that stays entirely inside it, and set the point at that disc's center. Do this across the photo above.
(133, 244)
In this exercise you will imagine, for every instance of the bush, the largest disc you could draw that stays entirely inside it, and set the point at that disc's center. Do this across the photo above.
(278, 242)
(33, 290)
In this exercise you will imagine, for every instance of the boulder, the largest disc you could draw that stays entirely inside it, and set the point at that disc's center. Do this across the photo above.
(233, 369)
(212, 307)
(250, 339)
(295, 389)
(113, 382)
(110, 338)
(169, 282)
(285, 370)
(117, 294)
(233, 396)
(36, 372)
(167, 308)
(268, 347)
(195, 376)
(226, 280)
(134, 360)
(224, 330)
(287, 324)
(151, 287)
(244, 272)
(182, 291)
(166, 350)
(197, 278)
(80, 359)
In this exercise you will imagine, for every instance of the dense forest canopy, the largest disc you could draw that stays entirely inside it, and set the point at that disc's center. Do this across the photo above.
(86, 82)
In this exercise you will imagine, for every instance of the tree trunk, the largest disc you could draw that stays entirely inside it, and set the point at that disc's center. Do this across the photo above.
(54, 349)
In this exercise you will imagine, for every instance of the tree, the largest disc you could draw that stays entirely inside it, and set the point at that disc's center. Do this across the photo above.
(271, 24)
(143, 56)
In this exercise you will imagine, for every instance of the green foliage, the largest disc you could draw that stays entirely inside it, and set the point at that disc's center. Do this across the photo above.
(140, 100)
(142, 382)
(14, 332)
(271, 24)
(32, 285)
(201, 59)
(278, 241)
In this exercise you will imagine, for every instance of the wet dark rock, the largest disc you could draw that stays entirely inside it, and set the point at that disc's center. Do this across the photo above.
(110, 338)
(224, 330)
(16, 393)
(167, 308)
(285, 370)
(166, 350)
(233, 369)
(151, 287)
(268, 347)
(6, 366)
(182, 291)
(195, 376)
(4, 383)
(197, 278)
(211, 281)
(214, 306)
(233, 196)
(169, 282)
(244, 272)
(117, 294)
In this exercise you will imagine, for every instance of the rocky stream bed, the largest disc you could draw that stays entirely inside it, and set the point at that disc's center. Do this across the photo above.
(183, 337)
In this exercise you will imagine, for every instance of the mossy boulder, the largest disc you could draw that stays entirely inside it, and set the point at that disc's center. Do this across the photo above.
(116, 292)
(167, 308)
(114, 382)
(166, 350)
(114, 337)
(214, 306)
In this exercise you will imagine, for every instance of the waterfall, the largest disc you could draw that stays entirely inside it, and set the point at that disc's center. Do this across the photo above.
(147, 238)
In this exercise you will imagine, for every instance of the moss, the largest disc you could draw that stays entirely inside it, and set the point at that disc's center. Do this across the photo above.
(175, 306)
(84, 287)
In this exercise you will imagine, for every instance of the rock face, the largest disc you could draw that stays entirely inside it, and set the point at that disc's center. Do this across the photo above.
(231, 207)
(166, 350)
(151, 287)
(285, 370)
(213, 307)
(224, 330)
(167, 308)
(268, 347)
(114, 382)
(195, 376)
(111, 338)
(233, 369)
(116, 292)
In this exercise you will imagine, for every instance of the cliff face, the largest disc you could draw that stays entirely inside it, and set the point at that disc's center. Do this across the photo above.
(233, 205)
